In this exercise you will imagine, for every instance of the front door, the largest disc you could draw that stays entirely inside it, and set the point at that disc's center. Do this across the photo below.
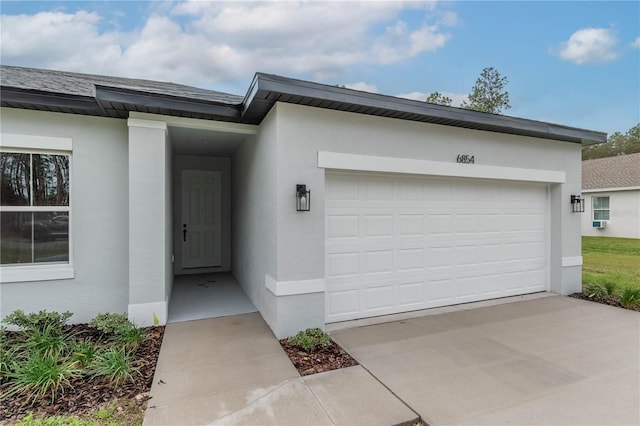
(201, 229)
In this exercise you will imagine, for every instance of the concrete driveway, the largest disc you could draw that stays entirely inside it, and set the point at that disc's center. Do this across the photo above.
(553, 360)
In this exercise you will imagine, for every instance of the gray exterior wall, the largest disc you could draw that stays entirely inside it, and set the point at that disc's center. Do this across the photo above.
(99, 215)
(624, 216)
(254, 226)
(303, 131)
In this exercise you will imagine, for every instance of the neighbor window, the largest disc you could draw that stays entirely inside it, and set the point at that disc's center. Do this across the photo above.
(600, 208)
(34, 208)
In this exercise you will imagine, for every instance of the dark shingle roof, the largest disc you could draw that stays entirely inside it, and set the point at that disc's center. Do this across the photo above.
(621, 171)
(74, 93)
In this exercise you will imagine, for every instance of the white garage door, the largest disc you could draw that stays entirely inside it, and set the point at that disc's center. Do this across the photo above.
(397, 243)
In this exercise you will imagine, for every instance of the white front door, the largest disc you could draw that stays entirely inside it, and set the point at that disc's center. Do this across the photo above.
(200, 227)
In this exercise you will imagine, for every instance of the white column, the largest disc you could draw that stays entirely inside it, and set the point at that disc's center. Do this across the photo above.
(149, 221)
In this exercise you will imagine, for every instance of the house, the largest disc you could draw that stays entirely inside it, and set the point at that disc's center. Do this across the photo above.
(326, 204)
(611, 190)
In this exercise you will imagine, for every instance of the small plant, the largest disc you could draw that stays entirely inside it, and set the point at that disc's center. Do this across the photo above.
(630, 297)
(129, 335)
(109, 323)
(310, 339)
(115, 364)
(595, 291)
(610, 286)
(84, 352)
(46, 341)
(39, 376)
(53, 321)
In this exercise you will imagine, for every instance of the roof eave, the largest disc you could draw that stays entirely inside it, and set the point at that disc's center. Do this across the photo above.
(266, 90)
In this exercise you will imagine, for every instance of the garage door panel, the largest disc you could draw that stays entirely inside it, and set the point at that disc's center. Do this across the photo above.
(403, 242)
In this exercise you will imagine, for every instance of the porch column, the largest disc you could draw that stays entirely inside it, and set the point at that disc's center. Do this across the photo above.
(150, 222)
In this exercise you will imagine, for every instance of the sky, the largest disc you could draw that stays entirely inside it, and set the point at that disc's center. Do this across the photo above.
(575, 63)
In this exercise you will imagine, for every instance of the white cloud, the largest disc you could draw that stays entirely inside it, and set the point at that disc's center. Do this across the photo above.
(205, 42)
(456, 98)
(590, 45)
(636, 43)
(362, 86)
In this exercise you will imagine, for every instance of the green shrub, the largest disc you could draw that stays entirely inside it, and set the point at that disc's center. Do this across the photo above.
(46, 341)
(37, 376)
(630, 297)
(54, 321)
(108, 323)
(129, 335)
(595, 291)
(115, 364)
(610, 286)
(310, 339)
(84, 352)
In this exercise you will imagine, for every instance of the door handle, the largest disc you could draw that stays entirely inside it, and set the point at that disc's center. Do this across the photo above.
(184, 232)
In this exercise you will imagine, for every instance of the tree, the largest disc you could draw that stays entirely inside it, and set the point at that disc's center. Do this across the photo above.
(438, 98)
(617, 144)
(489, 94)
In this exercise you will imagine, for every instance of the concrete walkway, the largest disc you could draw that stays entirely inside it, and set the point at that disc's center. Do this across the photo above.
(554, 360)
(232, 370)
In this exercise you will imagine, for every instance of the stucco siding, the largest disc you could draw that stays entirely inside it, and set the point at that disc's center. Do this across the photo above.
(624, 219)
(99, 215)
(303, 131)
(254, 227)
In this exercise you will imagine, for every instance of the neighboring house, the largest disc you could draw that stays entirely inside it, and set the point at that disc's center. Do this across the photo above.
(611, 191)
(412, 205)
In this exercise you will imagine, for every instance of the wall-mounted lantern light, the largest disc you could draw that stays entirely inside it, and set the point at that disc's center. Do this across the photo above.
(577, 204)
(303, 198)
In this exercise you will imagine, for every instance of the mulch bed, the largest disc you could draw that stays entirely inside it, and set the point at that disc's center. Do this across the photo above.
(330, 357)
(610, 300)
(85, 395)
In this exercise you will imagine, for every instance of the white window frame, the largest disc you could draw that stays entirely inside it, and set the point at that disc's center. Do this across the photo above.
(28, 144)
(593, 209)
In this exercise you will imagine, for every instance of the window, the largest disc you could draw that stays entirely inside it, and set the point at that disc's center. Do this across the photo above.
(600, 208)
(34, 208)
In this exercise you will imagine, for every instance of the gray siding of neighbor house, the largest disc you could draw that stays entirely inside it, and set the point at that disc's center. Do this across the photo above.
(99, 214)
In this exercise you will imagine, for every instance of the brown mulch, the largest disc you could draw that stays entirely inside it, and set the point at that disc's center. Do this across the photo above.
(86, 394)
(330, 357)
(610, 300)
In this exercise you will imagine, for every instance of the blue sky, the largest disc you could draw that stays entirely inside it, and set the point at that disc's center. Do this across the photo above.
(573, 63)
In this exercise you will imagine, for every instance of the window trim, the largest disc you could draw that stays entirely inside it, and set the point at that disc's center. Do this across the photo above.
(11, 273)
(594, 210)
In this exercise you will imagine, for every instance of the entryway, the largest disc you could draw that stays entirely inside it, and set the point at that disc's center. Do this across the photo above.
(203, 296)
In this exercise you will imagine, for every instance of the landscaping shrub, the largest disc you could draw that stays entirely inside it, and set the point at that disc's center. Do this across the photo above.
(84, 352)
(48, 340)
(109, 323)
(630, 297)
(52, 321)
(116, 364)
(595, 291)
(610, 286)
(38, 375)
(310, 339)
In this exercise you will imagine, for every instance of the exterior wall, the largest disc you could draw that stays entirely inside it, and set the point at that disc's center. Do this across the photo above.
(624, 215)
(303, 131)
(150, 222)
(203, 163)
(99, 217)
(254, 230)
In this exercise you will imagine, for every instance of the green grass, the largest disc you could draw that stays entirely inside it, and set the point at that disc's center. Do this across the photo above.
(613, 260)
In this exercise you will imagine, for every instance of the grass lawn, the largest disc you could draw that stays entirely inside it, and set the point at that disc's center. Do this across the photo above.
(611, 259)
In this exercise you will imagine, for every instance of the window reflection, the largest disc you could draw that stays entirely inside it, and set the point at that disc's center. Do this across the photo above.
(50, 180)
(16, 172)
(34, 237)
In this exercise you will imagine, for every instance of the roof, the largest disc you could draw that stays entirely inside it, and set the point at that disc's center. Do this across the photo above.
(87, 94)
(621, 171)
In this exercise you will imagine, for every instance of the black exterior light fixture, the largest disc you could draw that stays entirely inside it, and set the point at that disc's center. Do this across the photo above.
(577, 204)
(303, 198)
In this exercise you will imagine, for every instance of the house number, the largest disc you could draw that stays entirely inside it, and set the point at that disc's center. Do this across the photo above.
(464, 158)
